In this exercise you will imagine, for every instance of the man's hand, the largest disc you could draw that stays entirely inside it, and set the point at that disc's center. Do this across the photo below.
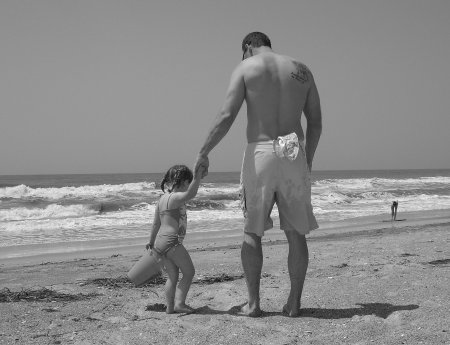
(204, 162)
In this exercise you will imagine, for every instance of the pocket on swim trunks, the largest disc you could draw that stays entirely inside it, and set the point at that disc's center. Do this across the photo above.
(243, 200)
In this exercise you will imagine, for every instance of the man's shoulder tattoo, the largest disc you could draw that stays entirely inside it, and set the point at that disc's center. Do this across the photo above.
(301, 73)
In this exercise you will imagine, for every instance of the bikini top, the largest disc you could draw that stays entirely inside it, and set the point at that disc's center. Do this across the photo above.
(179, 214)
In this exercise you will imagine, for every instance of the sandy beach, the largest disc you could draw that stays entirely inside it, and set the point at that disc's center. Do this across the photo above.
(370, 281)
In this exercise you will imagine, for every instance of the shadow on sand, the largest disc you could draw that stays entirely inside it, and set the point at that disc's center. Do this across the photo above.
(382, 310)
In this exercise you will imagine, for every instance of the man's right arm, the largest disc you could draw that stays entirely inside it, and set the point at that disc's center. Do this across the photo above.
(233, 101)
(313, 116)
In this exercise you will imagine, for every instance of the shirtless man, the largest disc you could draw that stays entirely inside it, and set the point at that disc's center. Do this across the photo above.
(277, 90)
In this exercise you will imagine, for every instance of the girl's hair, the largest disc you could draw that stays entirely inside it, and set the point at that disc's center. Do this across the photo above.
(175, 176)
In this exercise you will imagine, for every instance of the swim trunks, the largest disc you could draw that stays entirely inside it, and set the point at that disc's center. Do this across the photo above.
(167, 237)
(275, 171)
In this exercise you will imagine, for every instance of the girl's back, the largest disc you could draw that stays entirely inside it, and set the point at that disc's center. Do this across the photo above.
(172, 219)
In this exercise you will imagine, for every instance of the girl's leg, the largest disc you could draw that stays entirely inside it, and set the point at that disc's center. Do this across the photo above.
(181, 258)
(171, 283)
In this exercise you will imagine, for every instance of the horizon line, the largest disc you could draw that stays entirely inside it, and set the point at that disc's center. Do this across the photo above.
(216, 172)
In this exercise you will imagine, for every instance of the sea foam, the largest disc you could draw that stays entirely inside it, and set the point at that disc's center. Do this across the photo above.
(51, 211)
(98, 191)
(37, 215)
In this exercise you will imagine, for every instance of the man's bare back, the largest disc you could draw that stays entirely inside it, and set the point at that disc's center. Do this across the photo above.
(277, 90)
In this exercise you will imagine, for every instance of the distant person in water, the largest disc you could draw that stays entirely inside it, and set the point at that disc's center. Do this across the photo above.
(394, 207)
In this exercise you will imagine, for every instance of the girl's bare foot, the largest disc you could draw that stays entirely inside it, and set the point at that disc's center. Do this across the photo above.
(291, 312)
(170, 309)
(183, 308)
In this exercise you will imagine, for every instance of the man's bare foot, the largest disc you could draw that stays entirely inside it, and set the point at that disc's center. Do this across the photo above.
(291, 313)
(183, 308)
(251, 312)
(170, 310)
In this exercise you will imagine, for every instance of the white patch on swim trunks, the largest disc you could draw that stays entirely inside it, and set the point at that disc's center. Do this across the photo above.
(287, 146)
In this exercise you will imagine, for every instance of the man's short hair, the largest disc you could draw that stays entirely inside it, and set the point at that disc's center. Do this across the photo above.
(256, 39)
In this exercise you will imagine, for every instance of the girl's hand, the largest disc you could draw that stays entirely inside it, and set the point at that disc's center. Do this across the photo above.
(149, 246)
(200, 172)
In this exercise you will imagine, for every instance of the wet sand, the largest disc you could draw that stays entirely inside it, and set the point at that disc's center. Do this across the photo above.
(370, 281)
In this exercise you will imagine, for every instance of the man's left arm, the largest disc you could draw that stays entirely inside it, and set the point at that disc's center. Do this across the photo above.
(313, 114)
(233, 101)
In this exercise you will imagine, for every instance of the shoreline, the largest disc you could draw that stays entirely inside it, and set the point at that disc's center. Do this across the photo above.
(35, 253)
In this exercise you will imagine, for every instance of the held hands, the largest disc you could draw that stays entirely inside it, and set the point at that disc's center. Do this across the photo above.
(201, 164)
(148, 246)
(201, 171)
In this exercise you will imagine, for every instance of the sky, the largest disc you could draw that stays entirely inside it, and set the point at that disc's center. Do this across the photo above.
(110, 86)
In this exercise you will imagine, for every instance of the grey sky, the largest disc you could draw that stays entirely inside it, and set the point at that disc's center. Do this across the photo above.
(133, 86)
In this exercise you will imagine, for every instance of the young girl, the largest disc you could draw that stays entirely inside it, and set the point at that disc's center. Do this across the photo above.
(169, 229)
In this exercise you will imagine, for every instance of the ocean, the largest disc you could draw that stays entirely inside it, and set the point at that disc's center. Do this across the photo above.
(36, 209)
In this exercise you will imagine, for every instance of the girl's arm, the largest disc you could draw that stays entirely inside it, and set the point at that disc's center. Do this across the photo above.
(155, 227)
(181, 197)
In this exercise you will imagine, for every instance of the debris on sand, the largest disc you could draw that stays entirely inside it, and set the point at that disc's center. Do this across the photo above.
(41, 295)
(218, 278)
(122, 282)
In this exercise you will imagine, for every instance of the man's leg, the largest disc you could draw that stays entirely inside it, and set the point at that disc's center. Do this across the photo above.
(252, 260)
(297, 264)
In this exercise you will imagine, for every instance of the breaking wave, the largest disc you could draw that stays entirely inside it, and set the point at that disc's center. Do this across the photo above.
(111, 210)
(83, 192)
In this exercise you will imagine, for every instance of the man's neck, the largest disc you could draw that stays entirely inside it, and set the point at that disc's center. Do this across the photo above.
(262, 49)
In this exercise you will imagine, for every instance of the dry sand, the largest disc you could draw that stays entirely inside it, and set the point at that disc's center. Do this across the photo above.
(368, 282)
